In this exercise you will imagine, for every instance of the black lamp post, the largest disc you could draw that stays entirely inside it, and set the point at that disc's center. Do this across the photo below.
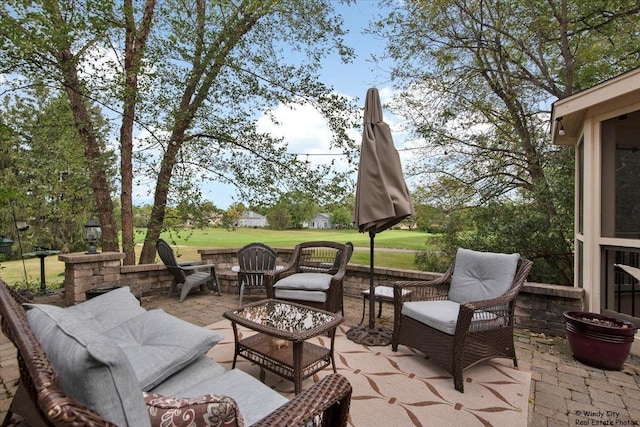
(92, 233)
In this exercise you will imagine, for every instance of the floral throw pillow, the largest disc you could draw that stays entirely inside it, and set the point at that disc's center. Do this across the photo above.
(202, 411)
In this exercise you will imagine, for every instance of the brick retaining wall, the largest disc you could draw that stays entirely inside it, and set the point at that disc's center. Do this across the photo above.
(539, 306)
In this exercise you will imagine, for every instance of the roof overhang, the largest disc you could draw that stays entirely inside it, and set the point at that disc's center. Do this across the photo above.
(571, 112)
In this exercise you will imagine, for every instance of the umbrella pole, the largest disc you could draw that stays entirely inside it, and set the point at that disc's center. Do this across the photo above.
(372, 288)
(369, 335)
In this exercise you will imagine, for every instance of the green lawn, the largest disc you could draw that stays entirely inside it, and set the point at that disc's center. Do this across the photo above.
(220, 238)
(189, 241)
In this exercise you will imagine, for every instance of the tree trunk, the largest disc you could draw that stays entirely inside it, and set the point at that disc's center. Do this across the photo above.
(159, 205)
(135, 42)
(126, 173)
(207, 65)
(92, 150)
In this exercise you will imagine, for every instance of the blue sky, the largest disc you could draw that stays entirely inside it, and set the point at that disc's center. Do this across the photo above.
(303, 128)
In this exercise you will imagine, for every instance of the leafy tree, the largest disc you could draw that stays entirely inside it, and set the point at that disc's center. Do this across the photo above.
(232, 215)
(188, 82)
(279, 217)
(141, 215)
(45, 168)
(341, 217)
(195, 214)
(300, 206)
(478, 79)
(340, 209)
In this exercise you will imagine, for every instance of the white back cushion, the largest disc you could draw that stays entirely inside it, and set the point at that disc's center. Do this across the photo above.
(480, 276)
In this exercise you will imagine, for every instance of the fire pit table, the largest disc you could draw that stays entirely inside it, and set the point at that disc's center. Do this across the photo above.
(280, 345)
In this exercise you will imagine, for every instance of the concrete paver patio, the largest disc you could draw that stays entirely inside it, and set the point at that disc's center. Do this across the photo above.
(563, 391)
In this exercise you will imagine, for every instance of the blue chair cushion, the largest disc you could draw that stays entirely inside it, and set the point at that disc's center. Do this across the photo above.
(479, 276)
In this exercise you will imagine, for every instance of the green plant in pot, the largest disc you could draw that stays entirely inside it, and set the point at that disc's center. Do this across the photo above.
(598, 340)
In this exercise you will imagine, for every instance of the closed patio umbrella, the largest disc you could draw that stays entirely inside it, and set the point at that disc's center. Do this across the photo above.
(382, 200)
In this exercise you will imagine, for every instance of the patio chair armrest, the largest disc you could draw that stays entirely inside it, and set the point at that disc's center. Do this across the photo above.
(339, 276)
(187, 263)
(501, 306)
(329, 399)
(421, 290)
(194, 267)
(503, 299)
(254, 272)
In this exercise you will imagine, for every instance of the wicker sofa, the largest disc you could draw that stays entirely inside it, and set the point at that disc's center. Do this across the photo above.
(110, 362)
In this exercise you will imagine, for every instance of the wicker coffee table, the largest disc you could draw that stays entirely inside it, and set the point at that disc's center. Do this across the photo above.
(280, 345)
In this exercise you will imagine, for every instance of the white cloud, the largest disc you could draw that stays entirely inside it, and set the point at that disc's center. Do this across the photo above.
(305, 131)
(301, 126)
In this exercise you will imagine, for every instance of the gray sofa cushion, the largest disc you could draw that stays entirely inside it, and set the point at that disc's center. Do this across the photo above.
(202, 367)
(254, 399)
(479, 276)
(443, 316)
(305, 281)
(108, 310)
(158, 344)
(90, 367)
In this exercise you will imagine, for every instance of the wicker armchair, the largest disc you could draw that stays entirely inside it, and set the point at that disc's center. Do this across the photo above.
(314, 276)
(41, 402)
(453, 331)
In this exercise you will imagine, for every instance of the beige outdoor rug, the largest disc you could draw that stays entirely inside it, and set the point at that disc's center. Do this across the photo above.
(402, 388)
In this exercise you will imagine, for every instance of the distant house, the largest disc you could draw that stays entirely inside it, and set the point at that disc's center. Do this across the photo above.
(212, 220)
(321, 220)
(252, 219)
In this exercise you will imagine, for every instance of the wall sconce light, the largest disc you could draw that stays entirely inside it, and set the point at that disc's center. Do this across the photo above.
(561, 131)
(92, 233)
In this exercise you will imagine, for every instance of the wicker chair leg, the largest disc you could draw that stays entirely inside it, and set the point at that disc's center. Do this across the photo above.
(458, 380)
(511, 354)
(458, 365)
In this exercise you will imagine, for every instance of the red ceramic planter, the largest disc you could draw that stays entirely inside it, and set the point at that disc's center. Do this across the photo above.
(597, 340)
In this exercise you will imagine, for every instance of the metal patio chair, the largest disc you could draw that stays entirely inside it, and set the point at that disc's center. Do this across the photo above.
(254, 260)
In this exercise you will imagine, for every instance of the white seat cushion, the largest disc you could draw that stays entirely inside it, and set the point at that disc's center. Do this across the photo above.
(292, 294)
(443, 316)
(440, 315)
(305, 281)
(478, 276)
